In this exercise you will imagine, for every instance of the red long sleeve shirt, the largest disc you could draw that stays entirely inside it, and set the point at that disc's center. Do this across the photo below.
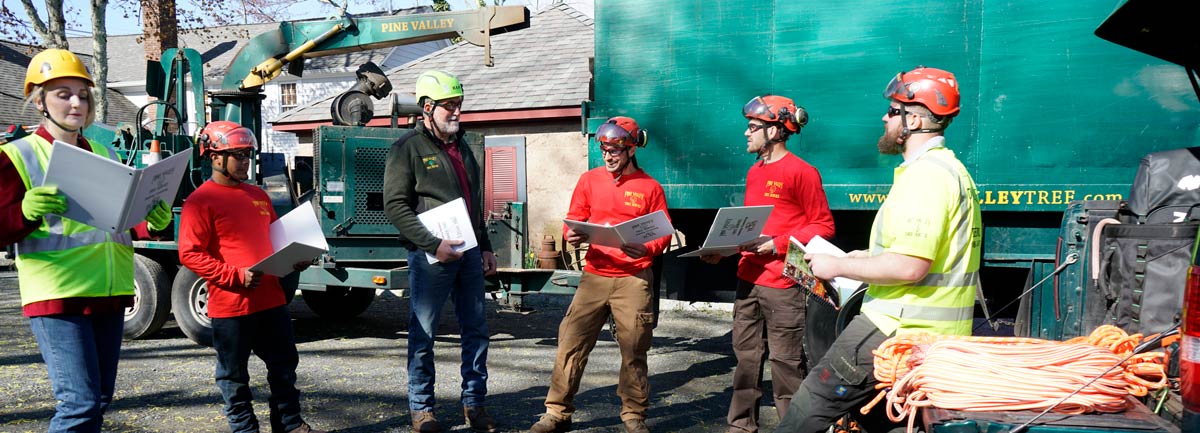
(801, 211)
(224, 230)
(602, 198)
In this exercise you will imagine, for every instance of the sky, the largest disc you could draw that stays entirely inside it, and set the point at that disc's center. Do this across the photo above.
(119, 25)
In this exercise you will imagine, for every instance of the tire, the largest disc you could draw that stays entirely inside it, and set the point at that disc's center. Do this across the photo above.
(339, 302)
(151, 301)
(189, 302)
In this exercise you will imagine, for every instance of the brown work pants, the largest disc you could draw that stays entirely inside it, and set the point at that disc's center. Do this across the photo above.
(628, 300)
(768, 323)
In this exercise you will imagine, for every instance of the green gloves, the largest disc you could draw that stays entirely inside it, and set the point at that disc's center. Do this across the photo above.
(159, 217)
(42, 200)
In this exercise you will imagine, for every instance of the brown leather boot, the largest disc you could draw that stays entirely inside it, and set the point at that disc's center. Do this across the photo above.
(305, 428)
(551, 424)
(423, 421)
(479, 420)
(637, 425)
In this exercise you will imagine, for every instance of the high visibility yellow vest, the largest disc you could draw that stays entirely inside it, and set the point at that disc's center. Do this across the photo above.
(64, 258)
(942, 302)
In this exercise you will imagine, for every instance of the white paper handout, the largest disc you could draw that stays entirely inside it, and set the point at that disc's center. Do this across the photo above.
(635, 231)
(450, 221)
(845, 286)
(732, 227)
(107, 194)
(295, 237)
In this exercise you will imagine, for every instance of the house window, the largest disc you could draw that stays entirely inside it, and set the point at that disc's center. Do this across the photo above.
(287, 95)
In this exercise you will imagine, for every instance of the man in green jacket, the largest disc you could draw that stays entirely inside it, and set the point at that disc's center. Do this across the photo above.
(428, 167)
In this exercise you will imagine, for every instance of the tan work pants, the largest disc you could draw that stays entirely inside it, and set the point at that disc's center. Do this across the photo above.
(628, 300)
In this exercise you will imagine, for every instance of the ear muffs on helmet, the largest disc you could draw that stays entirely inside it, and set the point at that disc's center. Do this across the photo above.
(641, 138)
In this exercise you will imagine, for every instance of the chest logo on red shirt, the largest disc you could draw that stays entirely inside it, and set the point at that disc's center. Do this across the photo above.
(430, 162)
(262, 207)
(774, 189)
(635, 199)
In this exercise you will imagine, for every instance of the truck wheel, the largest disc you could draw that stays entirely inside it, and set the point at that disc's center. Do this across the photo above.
(151, 301)
(189, 302)
(339, 302)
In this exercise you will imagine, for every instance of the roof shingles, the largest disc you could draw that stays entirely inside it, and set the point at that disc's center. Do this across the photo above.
(542, 66)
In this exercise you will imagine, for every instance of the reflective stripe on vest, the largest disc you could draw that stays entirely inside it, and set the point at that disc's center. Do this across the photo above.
(55, 240)
(923, 312)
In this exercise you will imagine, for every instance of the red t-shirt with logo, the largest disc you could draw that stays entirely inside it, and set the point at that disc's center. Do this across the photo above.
(801, 211)
(603, 198)
(224, 230)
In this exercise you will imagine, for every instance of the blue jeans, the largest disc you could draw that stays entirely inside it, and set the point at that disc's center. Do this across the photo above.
(81, 354)
(431, 285)
(268, 334)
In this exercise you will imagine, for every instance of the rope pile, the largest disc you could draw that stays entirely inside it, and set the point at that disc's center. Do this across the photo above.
(1012, 373)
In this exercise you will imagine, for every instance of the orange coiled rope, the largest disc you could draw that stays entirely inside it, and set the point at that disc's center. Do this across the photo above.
(1012, 373)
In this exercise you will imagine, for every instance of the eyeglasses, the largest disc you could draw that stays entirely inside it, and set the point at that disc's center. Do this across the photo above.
(450, 106)
(754, 127)
(613, 150)
(895, 111)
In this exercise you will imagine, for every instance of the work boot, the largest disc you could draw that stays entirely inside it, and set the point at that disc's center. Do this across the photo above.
(636, 425)
(423, 421)
(479, 420)
(305, 428)
(551, 424)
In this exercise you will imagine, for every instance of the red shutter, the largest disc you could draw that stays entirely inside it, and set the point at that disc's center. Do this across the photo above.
(500, 187)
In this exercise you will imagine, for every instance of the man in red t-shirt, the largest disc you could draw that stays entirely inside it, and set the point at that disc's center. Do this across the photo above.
(768, 303)
(615, 281)
(224, 230)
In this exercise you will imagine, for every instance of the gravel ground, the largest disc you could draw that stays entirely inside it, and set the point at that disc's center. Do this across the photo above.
(353, 378)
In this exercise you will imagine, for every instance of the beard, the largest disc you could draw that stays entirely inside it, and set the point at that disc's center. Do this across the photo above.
(890, 143)
(449, 127)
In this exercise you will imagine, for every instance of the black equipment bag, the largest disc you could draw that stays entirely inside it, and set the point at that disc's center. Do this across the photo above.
(1167, 187)
(1143, 271)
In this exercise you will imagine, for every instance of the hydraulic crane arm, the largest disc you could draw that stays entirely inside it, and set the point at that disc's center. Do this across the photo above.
(267, 54)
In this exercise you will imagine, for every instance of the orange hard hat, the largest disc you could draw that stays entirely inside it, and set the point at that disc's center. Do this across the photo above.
(933, 88)
(776, 109)
(224, 136)
(621, 131)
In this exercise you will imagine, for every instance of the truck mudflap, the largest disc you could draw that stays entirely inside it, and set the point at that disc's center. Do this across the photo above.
(1138, 419)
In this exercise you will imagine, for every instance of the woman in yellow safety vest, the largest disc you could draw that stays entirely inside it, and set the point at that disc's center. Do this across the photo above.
(76, 280)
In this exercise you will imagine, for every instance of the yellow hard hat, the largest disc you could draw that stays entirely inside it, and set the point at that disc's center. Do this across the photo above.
(54, 63)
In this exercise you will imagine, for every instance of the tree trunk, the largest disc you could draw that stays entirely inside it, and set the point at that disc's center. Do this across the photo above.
(100, 58)
(54, 31)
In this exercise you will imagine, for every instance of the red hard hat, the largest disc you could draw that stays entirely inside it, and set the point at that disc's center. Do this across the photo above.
(933, 88)
(776, 109)
(224, 136)
(621, 131)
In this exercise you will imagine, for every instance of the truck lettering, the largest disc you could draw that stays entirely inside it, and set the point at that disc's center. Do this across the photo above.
(1009, 197)
(404, 26)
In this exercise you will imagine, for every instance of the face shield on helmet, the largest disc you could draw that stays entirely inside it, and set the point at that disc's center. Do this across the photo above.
(621, 131)
(226, 136)
(776, 109)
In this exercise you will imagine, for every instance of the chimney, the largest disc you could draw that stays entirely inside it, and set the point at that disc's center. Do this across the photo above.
(159, 27)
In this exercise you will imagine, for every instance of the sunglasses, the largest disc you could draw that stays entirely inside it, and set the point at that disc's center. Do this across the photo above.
(895, 111)
(755, 127)
(241, 156)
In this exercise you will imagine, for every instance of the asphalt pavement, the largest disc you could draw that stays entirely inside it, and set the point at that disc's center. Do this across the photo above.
(353, 378)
